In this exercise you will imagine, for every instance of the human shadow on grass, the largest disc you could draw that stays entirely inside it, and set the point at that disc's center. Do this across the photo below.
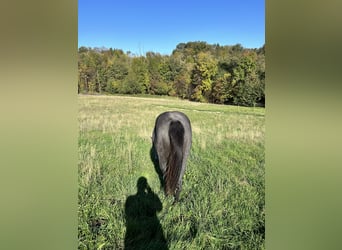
(143, 229)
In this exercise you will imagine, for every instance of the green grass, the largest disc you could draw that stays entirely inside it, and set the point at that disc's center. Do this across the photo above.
(222, 204)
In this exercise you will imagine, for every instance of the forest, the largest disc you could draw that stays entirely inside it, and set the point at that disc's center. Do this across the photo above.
(197, 71)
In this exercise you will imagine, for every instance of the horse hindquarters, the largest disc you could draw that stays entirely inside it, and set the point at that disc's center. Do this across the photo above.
(172, 142)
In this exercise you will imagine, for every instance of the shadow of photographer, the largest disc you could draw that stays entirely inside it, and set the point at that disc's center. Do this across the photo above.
(143, 229)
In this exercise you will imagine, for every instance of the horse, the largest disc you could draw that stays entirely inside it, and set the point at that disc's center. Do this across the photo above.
(172, 138)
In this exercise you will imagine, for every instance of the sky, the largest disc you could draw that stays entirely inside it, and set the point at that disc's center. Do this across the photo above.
(141, 26)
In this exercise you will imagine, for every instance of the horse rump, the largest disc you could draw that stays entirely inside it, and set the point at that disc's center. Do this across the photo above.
(172, 141)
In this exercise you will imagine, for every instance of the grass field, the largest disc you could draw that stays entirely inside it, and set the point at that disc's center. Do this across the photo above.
(222, 204)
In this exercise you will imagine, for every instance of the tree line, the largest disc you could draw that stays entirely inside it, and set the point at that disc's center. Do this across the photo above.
(197, 71)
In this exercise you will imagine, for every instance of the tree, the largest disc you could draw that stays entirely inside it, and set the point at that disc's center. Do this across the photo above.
(117, 71)
(181, 84)
(205, 69)
(244, 84)
(158, 70)
(195, 70)
(137, 80)
(220, 89)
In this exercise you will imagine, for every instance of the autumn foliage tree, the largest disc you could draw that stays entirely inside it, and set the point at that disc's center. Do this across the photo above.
(195, 70)
(203, 74)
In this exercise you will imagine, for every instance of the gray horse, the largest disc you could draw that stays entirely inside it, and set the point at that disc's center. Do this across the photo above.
(172, 141)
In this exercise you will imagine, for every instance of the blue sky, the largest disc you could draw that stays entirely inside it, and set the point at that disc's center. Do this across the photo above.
(158, 26)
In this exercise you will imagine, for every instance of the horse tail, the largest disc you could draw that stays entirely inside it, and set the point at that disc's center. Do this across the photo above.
(175, 158)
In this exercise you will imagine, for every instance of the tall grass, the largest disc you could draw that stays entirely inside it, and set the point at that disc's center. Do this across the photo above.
(222, 204)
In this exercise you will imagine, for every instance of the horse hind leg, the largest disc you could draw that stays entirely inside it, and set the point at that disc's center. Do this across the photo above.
(180, 180)
(176, 196)
(178, 189)
(162, 163)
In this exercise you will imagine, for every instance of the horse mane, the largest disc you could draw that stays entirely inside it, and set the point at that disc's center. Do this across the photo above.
(175, 157)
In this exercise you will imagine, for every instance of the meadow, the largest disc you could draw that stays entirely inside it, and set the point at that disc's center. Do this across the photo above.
(222, 204)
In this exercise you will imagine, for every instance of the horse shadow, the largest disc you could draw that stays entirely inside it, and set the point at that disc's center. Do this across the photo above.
(143, 229)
